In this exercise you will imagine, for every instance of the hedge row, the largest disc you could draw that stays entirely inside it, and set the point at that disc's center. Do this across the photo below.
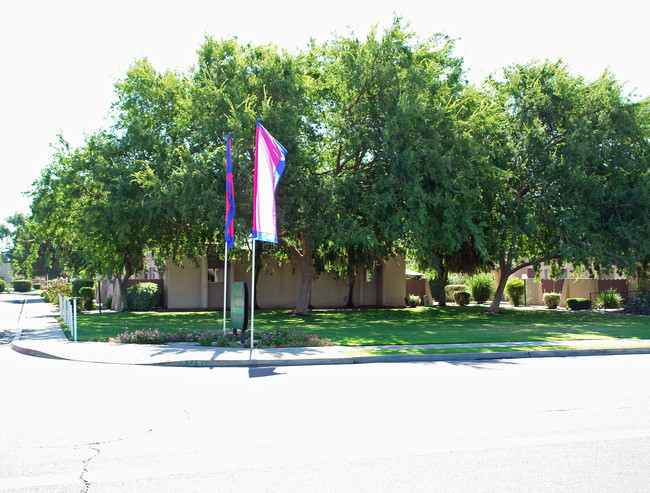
(22, 286)
(578, 304)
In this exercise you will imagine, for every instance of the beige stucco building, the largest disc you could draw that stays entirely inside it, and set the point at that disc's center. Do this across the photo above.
(572, 284)
(189, 286)
(5, 272)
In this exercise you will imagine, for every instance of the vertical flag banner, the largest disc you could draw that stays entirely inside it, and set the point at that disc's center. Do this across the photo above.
(269, 165)
(230, 225)
(230, 200)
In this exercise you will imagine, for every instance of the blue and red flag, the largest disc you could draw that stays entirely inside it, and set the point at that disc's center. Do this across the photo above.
(269, 165)
(230, 200)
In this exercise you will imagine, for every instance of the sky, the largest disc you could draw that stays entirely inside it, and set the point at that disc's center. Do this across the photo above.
(60, 59)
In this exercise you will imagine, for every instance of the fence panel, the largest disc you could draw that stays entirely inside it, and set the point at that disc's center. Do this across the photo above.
(68, 312)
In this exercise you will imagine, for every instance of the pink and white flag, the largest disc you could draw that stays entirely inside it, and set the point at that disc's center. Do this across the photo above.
(269, 165)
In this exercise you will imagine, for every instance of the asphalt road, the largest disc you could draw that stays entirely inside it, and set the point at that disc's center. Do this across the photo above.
(556, 424)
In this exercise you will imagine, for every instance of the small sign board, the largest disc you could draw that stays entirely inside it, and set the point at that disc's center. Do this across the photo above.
(239, 307)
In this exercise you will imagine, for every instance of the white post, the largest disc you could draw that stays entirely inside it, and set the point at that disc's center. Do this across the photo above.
(74, 318)
(252, 297)
(225, 288)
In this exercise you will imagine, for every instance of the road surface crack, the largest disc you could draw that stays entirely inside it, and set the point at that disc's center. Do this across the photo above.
(96, 451)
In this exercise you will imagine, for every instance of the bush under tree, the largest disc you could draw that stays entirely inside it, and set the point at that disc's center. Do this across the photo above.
(609, 299)
(22, 286)
(462, 298)
(578, 304)
(482, 287)
(412, 300)
(552, 300)
(87, 295)
(143, 296)
(450, 289)
(78, 284)
(639, 305)
(515, 289)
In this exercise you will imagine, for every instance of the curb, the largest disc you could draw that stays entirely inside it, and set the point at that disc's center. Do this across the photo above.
(254, 363)
(343, 360)
(30, 352)
(559, 353)
(406, 358)
(403, 358)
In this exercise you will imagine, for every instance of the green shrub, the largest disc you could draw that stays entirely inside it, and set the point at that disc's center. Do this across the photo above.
(3, 285)
(22, 286)
(77, 284)
(462, 298)
(412, 300)
(450, 289)
(482, 287)
(578, 304)
(88, 297)
(639, 305)
(552, 300)
(609, 299)
(56, 287)
(37, 286)
(143, 296)
(515, 289)
(108, 301)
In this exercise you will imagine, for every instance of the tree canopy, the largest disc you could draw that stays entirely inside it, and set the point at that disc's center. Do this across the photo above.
(569, 167)
(389, 151)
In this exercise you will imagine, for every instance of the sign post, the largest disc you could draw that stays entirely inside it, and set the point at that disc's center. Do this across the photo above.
(239, 305)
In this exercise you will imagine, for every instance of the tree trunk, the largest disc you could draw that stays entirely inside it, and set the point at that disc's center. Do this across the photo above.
(120, 302)
(501, 287)
(306, 261)
(352, 277)
(351, 282)
(302, 307)
(506, 269)
(443, 277)
(116, 303)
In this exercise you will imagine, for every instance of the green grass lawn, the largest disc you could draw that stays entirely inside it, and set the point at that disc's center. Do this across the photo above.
(398, 326)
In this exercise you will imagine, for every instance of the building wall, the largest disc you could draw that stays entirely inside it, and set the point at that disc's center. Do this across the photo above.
(278, 286)
(419, 287)
(569, 288)
(183, 285)
(394, 282)
(573, 284)
(578, 288)
(5, 272)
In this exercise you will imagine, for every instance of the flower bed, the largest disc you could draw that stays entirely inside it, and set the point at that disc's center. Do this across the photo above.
(276, 338)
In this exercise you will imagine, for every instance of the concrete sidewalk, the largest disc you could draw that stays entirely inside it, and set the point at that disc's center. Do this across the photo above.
(39, 335)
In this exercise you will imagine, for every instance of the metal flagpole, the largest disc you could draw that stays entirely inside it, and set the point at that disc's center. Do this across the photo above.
(225, 288)
(252, 297)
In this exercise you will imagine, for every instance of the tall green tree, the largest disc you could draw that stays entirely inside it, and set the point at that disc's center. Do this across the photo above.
(566, 157)
(28, 256)
(381, 104)
(233, 86)
(9, 233)
(133, 190)
(443, 166)
(88, 204)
